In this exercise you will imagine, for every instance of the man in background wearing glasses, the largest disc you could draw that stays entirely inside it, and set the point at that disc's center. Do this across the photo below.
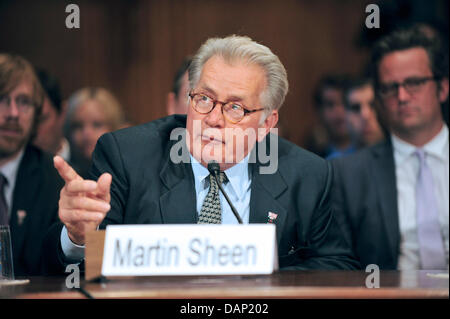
(395, 195)
(237, 87)
(29, 184)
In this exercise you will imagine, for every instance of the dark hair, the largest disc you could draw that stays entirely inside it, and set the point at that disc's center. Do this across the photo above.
(337, 82)
(177, 80)
(50, 84)
(412, 37)
(355, 83)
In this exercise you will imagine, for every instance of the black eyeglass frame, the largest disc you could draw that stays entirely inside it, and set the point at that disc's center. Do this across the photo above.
(395, 86)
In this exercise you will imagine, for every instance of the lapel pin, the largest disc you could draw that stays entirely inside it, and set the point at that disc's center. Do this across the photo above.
(21, 214)
(271, 217)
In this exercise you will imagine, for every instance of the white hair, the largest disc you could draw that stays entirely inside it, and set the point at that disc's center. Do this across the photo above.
(234, 48)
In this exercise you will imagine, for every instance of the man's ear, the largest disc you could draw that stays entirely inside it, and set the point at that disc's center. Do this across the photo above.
(443, 90)
(170, 104)
(269, 123)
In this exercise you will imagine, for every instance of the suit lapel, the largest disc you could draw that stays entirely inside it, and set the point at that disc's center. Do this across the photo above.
(180, 197)
(383, 174)
(266, 188)
(25, 194)
(178, 203)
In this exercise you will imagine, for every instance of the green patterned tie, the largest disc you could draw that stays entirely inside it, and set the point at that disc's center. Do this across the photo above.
(211, 212)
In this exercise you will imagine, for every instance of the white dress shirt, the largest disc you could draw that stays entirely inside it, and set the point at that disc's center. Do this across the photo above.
(9, 170)
(238, 190)
(407, 171)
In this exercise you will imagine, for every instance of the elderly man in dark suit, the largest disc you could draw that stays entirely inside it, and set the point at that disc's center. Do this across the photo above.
(394, 196)
(145, 174)
(29, 184)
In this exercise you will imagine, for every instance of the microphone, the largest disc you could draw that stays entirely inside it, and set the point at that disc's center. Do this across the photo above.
(214, 170)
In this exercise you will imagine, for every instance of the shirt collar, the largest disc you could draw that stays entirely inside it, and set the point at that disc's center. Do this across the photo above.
(437, 147)
(200, 172)
(238, 175)
(9, 170)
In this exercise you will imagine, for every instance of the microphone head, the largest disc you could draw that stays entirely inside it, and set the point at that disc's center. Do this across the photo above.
(213, 168)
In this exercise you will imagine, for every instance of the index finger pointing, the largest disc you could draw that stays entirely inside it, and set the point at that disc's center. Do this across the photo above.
(65, 170)
(104, 185)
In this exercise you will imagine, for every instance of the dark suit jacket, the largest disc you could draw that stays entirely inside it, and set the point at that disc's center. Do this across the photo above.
(34, 209)
(148, 188)
(365, 203)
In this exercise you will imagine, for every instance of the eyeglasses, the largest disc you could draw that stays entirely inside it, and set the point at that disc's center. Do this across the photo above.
(234, 112)
(23, 102)
(411, 85)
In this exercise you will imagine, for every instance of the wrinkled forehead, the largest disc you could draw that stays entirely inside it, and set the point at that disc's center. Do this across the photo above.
(236, 77)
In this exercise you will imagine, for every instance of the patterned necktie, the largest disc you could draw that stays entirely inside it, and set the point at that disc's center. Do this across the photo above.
(211, 212)
(431, 245)
(3, 205)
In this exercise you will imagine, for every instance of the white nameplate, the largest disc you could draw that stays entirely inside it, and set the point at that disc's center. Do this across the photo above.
(150, 250)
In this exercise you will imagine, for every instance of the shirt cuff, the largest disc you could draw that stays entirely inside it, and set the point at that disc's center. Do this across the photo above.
(72, 252)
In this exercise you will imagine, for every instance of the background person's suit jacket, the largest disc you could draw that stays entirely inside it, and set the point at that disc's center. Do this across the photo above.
(365, 202)
(148, 188)
(34, 209)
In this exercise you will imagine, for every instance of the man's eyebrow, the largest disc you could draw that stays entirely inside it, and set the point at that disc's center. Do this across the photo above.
(411, 77)
(235, 98)
(208, 89)
(229, 98)
(23, 94)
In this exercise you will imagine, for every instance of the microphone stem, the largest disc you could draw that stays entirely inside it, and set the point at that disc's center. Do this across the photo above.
(228, 200)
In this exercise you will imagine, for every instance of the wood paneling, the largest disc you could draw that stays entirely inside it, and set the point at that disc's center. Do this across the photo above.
(133, 47)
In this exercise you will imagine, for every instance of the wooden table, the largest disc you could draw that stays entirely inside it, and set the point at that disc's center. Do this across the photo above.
(289, 284)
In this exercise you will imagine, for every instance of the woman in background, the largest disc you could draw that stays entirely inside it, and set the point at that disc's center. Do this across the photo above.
(91, 113)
